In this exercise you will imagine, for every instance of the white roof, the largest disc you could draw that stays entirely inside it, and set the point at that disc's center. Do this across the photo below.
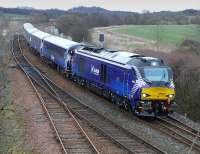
(28, 25)
(41, 35)
(105, 60)
(150, 58)
(61, 42)
(31, 30)
(117, 56)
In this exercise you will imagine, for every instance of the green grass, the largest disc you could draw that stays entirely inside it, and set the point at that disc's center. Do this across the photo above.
(16, 17)
(166, 34)
(11, 127)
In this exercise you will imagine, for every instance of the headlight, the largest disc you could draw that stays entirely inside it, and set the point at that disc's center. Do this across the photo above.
(171, 95)
(145, 95)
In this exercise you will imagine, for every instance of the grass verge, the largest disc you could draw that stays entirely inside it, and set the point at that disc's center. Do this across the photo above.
(11, 130)
(166, 34)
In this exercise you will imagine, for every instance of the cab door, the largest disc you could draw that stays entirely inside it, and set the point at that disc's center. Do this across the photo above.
(103, 76)
(126, 83)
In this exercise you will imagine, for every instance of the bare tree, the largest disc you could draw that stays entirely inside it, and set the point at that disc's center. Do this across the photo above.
(74, 26)
(39, 18)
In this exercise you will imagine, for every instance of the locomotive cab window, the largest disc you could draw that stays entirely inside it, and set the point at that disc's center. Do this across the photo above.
(156, 74)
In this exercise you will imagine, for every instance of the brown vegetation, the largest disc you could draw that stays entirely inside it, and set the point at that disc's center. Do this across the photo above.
(190, 46)
(38, 18)
(74, 26)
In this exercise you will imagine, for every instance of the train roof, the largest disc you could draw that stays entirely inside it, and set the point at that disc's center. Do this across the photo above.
(121, 57)
(107, 54)
(40, 34)
(31, 30)
(28, 25)
(61, 42)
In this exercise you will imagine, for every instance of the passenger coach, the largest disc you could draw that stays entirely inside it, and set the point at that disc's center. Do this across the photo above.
(28, 30)
(58, 51)
(37, 39)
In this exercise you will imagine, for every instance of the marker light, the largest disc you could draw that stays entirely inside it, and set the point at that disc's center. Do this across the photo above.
(170, 95)
(144, 95)
(154, 63)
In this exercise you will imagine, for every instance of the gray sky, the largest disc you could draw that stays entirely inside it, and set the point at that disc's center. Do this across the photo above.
(124, 5)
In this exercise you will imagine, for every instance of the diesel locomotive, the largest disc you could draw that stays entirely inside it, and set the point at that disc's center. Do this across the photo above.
(141, 84)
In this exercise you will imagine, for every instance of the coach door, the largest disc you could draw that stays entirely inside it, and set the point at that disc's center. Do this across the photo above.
(67, 58)
(41, 48)
(103, 72)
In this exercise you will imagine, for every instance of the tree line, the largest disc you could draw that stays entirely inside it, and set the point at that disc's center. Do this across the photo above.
(84, 18)
(79, 23)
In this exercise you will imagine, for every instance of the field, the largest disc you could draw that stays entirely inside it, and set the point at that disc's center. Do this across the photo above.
(165, 34)
(16, 17)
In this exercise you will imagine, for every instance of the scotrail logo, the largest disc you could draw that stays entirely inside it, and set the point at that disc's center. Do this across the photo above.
(94, 70)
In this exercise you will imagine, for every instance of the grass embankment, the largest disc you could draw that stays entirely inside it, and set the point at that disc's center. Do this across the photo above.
(166, 34)
(11, 130)
(16, 17)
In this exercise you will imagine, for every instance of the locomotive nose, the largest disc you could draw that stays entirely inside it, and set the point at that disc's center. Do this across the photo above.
(157, 93)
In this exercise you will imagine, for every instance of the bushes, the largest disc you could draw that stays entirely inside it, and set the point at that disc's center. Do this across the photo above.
(74, 26)
(188, 92)
(38, 18)
(187, 80)
(190, 46)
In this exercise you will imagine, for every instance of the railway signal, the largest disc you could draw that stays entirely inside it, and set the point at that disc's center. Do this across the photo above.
(101, 39)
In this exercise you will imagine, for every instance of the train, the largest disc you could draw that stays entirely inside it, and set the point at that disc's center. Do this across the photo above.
(140, 84)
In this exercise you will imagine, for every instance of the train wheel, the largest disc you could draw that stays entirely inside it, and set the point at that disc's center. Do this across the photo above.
(105, 94)
(113, 99)
(58, 68)
(126, 105)
(119, 102)
(68, 75)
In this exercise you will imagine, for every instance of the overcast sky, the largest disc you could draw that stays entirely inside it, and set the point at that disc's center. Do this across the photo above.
(123, 5)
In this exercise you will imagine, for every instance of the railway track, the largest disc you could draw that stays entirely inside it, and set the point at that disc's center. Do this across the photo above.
(115, 133)
(176, 130)
(181, 124)
(182, 132)
(70, 134)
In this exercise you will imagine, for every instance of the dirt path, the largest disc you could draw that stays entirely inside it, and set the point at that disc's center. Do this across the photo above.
(126, 42)
(38, 133)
